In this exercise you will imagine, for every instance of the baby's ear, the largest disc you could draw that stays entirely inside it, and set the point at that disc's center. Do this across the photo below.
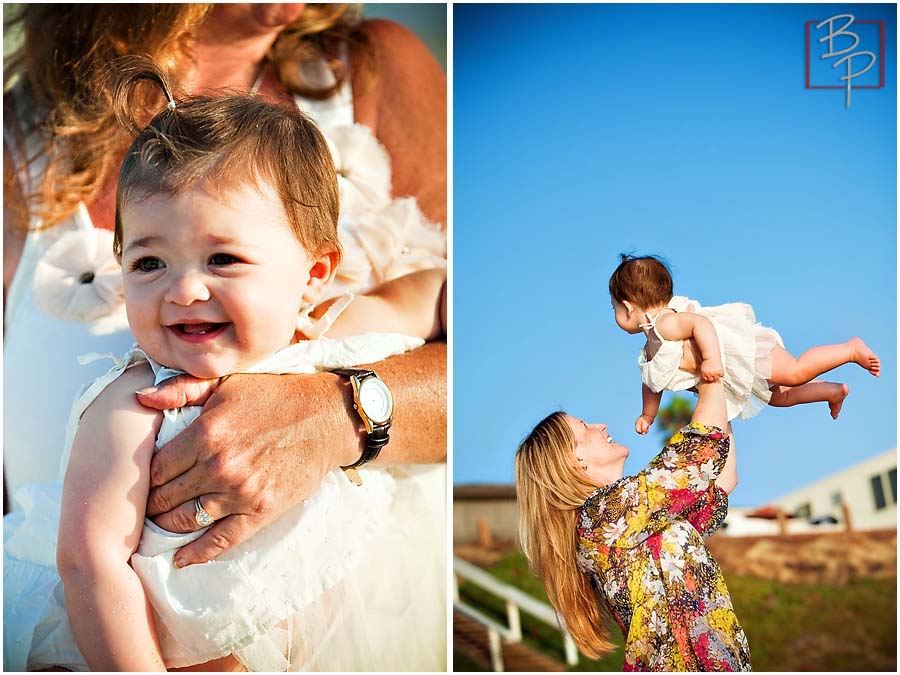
(321, 274)
(628, 306)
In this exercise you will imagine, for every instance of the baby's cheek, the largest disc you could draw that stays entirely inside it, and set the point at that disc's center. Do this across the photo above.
(271, 325)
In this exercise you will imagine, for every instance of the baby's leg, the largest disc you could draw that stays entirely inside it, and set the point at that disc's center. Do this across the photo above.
(227, 664)
(792, 372)
(811, 392)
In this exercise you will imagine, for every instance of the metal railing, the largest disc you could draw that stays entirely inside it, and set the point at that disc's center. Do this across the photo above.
(516, 600)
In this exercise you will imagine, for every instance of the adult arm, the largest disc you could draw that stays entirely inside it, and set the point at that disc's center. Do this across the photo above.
(675, 485)
(728, 479)
(264, 442)
(688, 325)
(104, 496)
(405, 103)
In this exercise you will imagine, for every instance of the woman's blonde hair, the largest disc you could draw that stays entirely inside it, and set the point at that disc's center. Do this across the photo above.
(550, 491)
(63, 92)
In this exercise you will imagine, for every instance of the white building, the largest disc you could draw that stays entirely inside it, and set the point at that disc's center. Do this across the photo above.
(869, 489)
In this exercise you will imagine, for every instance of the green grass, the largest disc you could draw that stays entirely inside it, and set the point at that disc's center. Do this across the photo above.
(790, 627)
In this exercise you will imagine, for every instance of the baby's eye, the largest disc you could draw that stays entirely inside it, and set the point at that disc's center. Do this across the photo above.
(147, 264)
(221, 259)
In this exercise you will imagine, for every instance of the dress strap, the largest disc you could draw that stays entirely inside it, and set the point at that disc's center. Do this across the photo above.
(651, 321)
(316, 328)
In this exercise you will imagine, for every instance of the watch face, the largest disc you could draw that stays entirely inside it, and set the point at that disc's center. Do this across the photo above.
(375, 399)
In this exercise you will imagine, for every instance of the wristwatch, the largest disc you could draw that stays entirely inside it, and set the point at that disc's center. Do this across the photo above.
(373, 401)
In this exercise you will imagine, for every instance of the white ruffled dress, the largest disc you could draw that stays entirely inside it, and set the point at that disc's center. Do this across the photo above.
(268, 600)
(745, 345)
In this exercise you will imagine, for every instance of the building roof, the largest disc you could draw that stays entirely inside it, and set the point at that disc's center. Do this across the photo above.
(484, 491)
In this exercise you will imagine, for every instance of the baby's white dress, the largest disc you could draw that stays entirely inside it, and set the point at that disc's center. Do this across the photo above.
(746, 348)
(271, 601)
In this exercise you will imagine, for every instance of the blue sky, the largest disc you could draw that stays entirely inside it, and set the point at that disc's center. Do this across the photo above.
(583, 131)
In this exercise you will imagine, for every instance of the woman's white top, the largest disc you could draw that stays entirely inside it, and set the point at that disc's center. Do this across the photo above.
(63, 303)
(745, 346)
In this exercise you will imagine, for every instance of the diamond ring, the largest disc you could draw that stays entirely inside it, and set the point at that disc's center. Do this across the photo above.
(201, 516)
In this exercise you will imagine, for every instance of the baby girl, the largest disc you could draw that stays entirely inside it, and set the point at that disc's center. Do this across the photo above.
(687, 343)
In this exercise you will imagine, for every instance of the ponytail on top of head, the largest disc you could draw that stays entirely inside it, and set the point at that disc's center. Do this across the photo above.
(131, 103)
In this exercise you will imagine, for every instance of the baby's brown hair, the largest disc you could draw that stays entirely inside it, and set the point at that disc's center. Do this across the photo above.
(228, 141)
(644, 280)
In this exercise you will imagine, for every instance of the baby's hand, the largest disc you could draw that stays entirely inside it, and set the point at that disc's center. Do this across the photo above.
(642, 424)
(711, 370)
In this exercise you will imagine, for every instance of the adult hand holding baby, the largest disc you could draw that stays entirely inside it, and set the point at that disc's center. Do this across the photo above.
(264, 442)
(246, 474)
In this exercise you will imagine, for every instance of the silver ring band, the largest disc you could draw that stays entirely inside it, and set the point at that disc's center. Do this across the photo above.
(202, 518)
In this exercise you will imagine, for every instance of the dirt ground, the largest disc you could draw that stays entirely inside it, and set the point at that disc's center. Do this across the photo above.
(834, 558)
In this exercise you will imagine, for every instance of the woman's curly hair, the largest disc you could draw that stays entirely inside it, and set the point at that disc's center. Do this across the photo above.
(56, 91)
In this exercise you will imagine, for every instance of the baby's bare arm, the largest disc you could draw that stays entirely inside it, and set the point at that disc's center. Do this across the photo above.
(649, 408)
(103, 503)
(687, 326)
(414, 304)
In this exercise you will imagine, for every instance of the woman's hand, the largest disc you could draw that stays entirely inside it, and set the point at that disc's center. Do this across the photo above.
(261, 445)
(264, 442)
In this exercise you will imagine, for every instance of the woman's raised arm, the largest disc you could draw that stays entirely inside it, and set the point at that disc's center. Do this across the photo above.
(710, 410)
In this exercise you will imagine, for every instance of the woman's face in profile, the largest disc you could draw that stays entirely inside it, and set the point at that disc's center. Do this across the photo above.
(251, 18)
(594, 447)
(271, 14)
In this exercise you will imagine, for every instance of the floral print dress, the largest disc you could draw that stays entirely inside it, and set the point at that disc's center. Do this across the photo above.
(641, 540)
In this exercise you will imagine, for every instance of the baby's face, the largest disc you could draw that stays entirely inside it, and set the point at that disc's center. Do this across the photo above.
(627, 321)
(213, 283)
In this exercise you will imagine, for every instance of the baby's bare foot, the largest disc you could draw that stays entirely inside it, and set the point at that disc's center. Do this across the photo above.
(864, 356)
(836, 399)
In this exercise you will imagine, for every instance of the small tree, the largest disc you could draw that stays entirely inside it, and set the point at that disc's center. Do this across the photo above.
(675, 415)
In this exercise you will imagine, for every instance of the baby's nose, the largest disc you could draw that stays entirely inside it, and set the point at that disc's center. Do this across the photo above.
(186, 289)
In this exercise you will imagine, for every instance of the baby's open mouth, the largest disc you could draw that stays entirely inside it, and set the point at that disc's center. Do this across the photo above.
(197, 328)
(197, 331)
